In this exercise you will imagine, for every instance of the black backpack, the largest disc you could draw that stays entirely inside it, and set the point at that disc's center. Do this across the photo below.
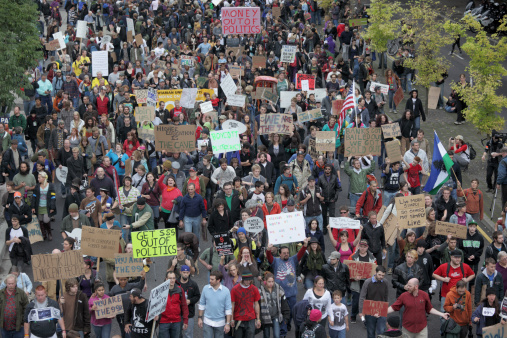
(473, 153)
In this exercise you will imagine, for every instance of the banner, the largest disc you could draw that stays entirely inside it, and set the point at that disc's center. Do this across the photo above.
(391, 130)
(100, 242)
(288, 53)
(358, 22)
(125, 265)
(393, 151)
(286, 228)
(158, 300)
(373, 308)
(145, 114)
(100, 63)
(325, 140)
(154, 243)
(174, 138)
(253, 225)
(275, 123)
(362, 141)
(224, 141)
(344, 223)
(34, 232)
(445, 228)
(223, 244)
(58, 266)
(360, 270)
(410, 211)
(241, 20)
(108, 307)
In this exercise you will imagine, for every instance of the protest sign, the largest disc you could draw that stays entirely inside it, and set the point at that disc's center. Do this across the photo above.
(125, 265)
(391, 130)
(141, 95)
(174, 139)
(34, 232)
(410, 211)
(52, 45)
(76, 235)
(445, 228)
(100, 63)
(358, 22)
(201, 143)
(151, 100)
(258, 62)
(154, 243)
(216, 2)
(360, 270)
(344, 223)
(188, 96)
(433, 96)
(130, 25)
(253, 225)
(161, 64)
(100, 242)
(228, 86)
(158, 300)
(275, 123)
(398, 96)
(223, 244)
(106, 40)
(59, 36)
(286, 227)
(319, 93)
(384, 89)
(235, 125)
(305, 85)
(81, 29)
(270, 96)
(187, 61)
(61, 174)
(224, 141)
(146, 134)
(390, 230)
(65, 265)
(362, 141)
(337, 106)
(139, 40)
(236, 70)
(241, 20)
(108, 307)
(372, 308)
(310, 115)
(325, 141)
(130, 36)
(168, 96)
(301, 77)
(236, 100)
(206, 107)
(312, 148)
(393, 151)
(257, 95)
(236, 51)
(288, 53)
(494, 331)
(277, 11)
(145, 113)
(286, 97)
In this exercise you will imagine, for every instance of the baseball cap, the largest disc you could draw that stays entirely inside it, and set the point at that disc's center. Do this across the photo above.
(135, 292)
(185, 268)
(291, 203)
(363, 242)
(315, 315)
(455, 253)
(335, 255)
(192, 169)
(17, 194)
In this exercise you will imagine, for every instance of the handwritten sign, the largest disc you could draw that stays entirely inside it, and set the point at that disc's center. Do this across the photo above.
(145, 113)
(253, 225)
(158, 300)
(286, 228)
(223, 244)
(288, 53)
(344, 223)
(393, 151)
(276, 11)
(206, 107)
(325, 141)
(445, 228)
(236, 70)
(241, 20)
(433, 96)
(52, 45)
(372, 308)
(228, 86)
(146, 134)
(125, 265)
(358, 22)
(384, 89)
(275, 123)
(141, 95)
(225, 141)
(154, 243)
(410, 211)
(398, 96)
(130, 25)
(362, 141)
(65, 265)
(188, 97)
(236, 100)
(174, 139)
(390, 228)
(187, 61)
(100, 242)
(337, 106)
(494, 331)
(100, 63)
(360, 270)
(309, 78)
(310, 115)
(34, 232)
(270, 96)
(235, 125)
(59, 36)
(391, 130)
(139, 40)
(258, 62)
(81, 29)
(108, 307)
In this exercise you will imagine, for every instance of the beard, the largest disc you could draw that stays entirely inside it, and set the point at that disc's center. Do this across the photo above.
(24, 172)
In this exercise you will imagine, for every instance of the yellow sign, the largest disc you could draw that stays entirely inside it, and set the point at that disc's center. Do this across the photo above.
(154, 243)
(169, 96)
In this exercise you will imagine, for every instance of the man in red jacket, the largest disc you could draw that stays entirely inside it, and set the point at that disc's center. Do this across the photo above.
(176, 308)
(370, 200)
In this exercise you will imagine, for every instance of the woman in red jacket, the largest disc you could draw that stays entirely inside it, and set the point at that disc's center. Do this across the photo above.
(270, 207)
(131, 143)
(169, 194)
(102, 102)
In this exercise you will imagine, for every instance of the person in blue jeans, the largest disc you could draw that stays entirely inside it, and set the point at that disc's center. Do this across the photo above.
(175, 317)
(191, 222)
(374, 288)
(10, 328)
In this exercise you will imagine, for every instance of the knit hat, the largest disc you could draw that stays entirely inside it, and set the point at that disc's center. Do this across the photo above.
(167, 165)
(141, 201)
(393, 321)
(455, 253)
(315, 315)
(73, 207)
(335, 255)
(241, 230)
(247, 275)
(490, 291)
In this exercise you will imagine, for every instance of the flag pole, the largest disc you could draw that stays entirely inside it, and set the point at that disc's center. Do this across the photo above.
(459, 184)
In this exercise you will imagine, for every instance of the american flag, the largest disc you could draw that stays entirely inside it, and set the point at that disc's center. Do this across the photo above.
(348, 104)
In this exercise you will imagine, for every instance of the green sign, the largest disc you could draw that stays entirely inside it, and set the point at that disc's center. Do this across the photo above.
(224, 141)
(358, 22)
(154, 243)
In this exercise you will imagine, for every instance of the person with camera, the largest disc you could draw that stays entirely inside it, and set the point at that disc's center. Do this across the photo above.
(458, 304)
(492, 154)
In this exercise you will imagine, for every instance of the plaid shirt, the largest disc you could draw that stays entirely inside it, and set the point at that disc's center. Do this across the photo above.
(72, 88)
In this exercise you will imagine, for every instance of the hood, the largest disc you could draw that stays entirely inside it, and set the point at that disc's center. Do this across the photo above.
(453, 292)
(485, 273)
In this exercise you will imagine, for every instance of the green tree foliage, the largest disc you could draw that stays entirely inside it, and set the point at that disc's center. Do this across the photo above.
(486, 70)
(20, 47)
(384, 23)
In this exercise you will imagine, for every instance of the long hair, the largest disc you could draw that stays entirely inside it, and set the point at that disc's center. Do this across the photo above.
(496, 305)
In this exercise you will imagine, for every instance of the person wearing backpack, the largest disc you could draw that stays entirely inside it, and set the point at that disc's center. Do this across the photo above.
(286, 178)
(311, 327)
(461, 151)
(474, 199)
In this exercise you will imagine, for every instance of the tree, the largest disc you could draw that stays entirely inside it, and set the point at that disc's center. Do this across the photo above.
(485, 68)
(384, 24)
(21, 47)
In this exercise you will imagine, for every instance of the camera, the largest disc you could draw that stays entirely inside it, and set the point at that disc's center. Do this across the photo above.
(460, 307)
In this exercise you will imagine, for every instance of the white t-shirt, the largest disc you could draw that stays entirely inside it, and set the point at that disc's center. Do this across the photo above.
(323, 303)
(337, 314)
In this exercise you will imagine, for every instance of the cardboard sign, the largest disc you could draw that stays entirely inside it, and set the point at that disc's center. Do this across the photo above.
(433, 96)
(344, 223)
(372, 308)
(253, 225)
(393, 151)
(362, 141)
(154, 243)
(445, 228)
(100, 242)
(494, 331)
(225, 141)
(52, 45)
(360, 270)
(384, 89)
(145, 113)
(288, 53)
(391, 130)
(130, 36)
(108, 307)
(390, 231)
(398, 96)
(270, 96)
(358, 22)
(325, 141)
(312, 149)
(258, 62)
(174, 139)
(301, 77)
(61, 174)
(139, 40)
(236, 70)
(228, 86)
(236, 100)
(34, 232)
(286, 97)
(235, 125)
(158, 300)
(410, 211)
(141, 95)
(100, 63)
(187, 61)
(275, 123)
(81, 29)
(65, 265)
(223, 244)
(337, 106)
(236, 51)
(146, 134)
(276, 11)
(286, 227)
(206, 107)
(125, 265)
(241, 20)
(310, 115)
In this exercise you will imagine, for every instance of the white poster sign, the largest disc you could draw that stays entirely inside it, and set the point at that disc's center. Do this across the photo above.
(206, 107)
(233, 124)
(228, 86)
(305, 86)
(100, 63)
(76, 235)
(384, 89)
(130, 26)
(158, 300)
(286, 228)
(320, 94)
(288, 53)
(224, 141)
(188, 96)
(59, 36)
(236, 100)
(61, 174)
(253, 225)
(344, 223)
(285, 98)
(81, 29)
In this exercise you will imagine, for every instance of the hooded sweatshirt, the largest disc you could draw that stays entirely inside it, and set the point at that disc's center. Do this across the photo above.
(472, 245)
(483, 281)
(465, 219)
(462, 316)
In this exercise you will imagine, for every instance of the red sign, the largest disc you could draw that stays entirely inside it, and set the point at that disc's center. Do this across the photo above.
(337, 106)
(244, 20)
(360, 270)
(372, 308)
(301, 77)
(398, 96)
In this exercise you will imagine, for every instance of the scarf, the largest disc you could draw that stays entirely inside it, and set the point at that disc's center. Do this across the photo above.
(170, 188)
(315, 261)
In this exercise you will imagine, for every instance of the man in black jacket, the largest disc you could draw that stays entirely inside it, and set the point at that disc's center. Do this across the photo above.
(12, 159)
(336, 274)
(19, 207)
(373, 232)
(425, 261)
(192, 295)
(405, 271)
(371, 105)
(445, 206)
(267, 169)
(235, 205)
(472, 248)
(330, 186)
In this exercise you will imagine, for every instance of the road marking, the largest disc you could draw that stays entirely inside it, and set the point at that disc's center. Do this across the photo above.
(458, 56)
(486, 237)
